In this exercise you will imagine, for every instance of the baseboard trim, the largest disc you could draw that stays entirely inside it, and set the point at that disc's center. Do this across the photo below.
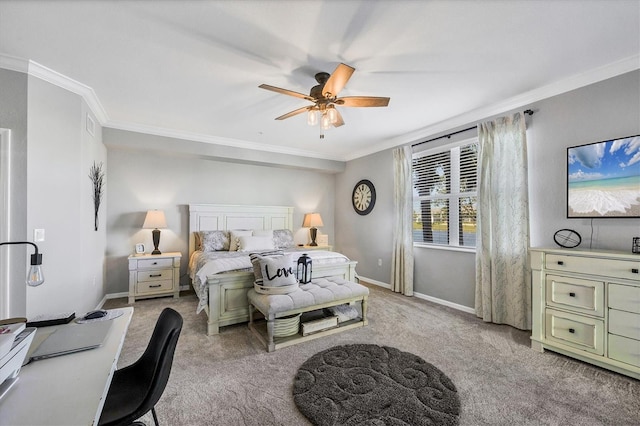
(423, 296)
(445, 303)
(375, 282)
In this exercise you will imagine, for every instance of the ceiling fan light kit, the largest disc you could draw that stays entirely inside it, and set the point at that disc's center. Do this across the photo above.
(324, 96)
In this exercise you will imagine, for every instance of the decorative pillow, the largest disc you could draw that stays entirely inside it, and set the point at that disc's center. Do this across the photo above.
(278, 271)
(263, 233)
(255, 261)
(213, 240)
(283, 238)
(197, 240)
(234, 235)
(255, 243)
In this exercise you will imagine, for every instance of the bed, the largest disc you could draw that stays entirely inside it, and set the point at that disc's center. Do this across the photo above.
(221, 278)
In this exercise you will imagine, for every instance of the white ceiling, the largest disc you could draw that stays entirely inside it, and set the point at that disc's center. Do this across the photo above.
(192, 68)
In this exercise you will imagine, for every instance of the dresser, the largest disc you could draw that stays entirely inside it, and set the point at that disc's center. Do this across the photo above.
(153, 275)
(586, 305)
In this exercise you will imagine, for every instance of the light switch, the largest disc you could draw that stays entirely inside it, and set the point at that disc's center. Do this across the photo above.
(38, 235)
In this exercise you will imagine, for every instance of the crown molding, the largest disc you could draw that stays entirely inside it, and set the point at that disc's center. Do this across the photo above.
(214, 140)
(37, 70)
(573, 82)
(60, 80)
(13, 63)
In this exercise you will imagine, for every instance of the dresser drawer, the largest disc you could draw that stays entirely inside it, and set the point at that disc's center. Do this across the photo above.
(624, 297)
(155, 263)
(155, 275)
(594, 266)
(144, 287)
(583, 296)
(624, 324)
(624, 349)
(580, 332)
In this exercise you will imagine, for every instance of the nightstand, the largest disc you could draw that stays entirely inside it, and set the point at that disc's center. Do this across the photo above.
(153, 275)
(318, 247)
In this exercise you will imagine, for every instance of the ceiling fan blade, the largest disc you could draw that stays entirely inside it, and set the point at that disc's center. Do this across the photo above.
(362, 101)
(339, 121)
(295, 112)
(338, 80)
(286, 92)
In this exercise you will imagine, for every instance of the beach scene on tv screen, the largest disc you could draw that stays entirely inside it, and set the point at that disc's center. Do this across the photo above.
(604, 179)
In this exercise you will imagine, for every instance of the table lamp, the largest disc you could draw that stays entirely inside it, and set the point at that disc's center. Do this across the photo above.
(311, 220)
(155, 220)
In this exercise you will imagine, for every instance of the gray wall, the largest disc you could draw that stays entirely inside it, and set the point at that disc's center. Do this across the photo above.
(141, 180)
(605, 110)
(13, 116)
(59, 200)
(367, 238)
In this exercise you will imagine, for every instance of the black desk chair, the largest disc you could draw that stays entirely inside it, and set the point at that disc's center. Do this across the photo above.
(136, 389)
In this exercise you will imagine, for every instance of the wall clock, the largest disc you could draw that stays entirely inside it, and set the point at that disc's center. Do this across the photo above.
(363, 197)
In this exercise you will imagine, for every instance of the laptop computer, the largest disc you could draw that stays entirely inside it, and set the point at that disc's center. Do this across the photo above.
(72, 338)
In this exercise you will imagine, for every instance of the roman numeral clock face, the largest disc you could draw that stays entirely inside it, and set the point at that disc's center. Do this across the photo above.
(363, 197)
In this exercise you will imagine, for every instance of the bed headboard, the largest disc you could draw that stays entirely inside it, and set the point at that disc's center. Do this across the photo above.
(215, 217)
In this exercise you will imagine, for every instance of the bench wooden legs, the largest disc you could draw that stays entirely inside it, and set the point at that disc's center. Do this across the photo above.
(271, 346)
(363, 305)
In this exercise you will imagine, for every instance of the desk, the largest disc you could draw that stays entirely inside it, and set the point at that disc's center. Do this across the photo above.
(69, 389)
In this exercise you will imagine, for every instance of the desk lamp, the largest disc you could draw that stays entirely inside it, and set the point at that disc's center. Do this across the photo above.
(35, 277)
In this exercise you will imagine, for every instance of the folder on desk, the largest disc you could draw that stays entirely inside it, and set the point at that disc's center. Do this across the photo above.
(72, 338)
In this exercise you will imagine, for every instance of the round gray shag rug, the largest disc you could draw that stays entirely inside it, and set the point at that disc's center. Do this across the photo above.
(374, 385)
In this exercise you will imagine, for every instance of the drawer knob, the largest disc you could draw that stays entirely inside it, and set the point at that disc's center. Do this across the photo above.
(571, 330)
(155, 263)
(572, 294)
(560, 262)
(155, 275)
(156, 286)
(634, 270)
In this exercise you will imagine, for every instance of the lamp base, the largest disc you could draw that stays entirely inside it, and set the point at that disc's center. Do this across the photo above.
(314, 233)
(156, 241)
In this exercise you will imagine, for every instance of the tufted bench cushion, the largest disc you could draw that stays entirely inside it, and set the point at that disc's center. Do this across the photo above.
(318, 292)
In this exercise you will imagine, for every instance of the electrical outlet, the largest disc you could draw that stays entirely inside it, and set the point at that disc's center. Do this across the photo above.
(379, 262)
(38, 235)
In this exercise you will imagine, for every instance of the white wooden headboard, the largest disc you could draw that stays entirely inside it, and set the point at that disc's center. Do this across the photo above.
(215, 217)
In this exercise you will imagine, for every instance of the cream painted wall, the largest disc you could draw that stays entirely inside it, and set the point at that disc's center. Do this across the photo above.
(608, 109)
(59, 200)
(141, 181)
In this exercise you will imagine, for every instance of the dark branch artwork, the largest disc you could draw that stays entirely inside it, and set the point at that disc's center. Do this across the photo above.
(97, 177)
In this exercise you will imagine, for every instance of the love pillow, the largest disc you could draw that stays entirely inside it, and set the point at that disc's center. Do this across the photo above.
(278, 271)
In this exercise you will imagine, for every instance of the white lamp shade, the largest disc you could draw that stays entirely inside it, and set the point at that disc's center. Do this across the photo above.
(312, 220)
(155, 220)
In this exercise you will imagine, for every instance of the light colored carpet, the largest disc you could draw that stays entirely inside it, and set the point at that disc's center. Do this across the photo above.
(230, 379)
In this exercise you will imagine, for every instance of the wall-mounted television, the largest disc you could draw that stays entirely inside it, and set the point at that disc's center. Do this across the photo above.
(603, 179)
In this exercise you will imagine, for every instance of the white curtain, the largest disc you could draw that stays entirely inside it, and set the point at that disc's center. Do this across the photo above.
(402, 260)
(503, 282)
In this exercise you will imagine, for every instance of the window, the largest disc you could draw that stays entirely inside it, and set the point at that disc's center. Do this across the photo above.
(445, 195)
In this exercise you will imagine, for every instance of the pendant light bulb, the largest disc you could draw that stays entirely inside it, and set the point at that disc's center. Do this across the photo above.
(324, 121)
(312, 117)
(333, 114)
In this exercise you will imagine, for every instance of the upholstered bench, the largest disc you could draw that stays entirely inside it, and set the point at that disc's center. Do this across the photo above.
(320, 293)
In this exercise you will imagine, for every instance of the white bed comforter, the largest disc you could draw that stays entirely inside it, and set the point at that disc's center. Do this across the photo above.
(203, 265)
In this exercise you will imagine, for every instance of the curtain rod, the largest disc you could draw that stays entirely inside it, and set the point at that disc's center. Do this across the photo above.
(527, 111)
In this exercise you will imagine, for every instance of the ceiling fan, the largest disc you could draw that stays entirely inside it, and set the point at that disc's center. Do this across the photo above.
(325, 98)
